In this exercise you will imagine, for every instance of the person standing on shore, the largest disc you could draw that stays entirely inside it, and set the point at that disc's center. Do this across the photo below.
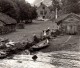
(48, 31)
(44, 34)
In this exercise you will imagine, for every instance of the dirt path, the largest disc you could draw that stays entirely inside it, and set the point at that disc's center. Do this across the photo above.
(68, 39)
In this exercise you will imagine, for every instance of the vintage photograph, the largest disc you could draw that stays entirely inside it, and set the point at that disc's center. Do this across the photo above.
(39, 33)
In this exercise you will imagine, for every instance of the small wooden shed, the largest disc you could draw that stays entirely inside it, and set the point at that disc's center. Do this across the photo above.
(7, 24)
(69, 23)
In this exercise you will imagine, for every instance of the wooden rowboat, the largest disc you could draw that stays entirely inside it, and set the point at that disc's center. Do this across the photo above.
(40, 45)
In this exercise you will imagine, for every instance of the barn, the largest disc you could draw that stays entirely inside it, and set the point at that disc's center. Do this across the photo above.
(69, 24)
(7, 24)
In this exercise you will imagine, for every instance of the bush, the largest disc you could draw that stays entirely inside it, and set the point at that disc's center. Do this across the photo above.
(20, 26)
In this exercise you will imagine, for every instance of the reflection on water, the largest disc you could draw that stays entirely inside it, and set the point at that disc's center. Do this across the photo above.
(57, 59)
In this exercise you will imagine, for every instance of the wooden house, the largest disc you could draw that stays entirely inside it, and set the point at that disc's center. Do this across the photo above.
(69, 23)
(43, 11)
(7, 24)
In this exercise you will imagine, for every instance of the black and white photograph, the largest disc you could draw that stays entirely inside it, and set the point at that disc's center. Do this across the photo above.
(39, 33)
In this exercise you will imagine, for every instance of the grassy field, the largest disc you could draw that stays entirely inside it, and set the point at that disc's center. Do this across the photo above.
(66, 43)
(30, 29)
(36, 28)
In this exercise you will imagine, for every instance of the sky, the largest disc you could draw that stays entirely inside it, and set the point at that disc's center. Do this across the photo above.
(37, 2)
(47, 2)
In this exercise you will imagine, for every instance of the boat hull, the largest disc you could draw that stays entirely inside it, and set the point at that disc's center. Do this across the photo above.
(40, 46)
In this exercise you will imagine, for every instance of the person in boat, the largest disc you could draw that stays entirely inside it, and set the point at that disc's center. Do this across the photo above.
(34, 57)
(35, 39)
(28, 43)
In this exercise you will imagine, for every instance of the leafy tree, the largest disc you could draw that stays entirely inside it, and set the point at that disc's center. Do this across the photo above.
(56, 5)
(18, 9)
(71, 6)
(27, 12)
(10, 8)
(23, 6)
(51, 8)
(33, 13)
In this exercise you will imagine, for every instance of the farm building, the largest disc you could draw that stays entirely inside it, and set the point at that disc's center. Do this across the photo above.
(69, 23)
(43, 11)
(7, 24)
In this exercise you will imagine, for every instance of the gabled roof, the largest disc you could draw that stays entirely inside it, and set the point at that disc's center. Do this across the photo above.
(66, 16)
(6, 19)
(41, 4)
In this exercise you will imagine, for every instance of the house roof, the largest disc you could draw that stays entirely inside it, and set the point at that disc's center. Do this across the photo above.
(72, 20)
(41, 4)
(66, 16)
(6, 19)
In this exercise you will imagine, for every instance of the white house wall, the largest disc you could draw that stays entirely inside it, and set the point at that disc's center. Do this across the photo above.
(40, 8)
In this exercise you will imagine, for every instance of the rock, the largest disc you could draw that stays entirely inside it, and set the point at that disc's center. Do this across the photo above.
(34, 57)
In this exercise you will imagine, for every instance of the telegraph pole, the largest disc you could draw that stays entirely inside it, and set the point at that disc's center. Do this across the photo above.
(56, 4)
(56, 13)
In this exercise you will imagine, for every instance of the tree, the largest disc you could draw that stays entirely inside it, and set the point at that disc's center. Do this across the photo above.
(23, 6)
(71, 6)
(51, 8)
(27, 12)
(10, 8)
(33, 13)
(56, 5)
(18, 9)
